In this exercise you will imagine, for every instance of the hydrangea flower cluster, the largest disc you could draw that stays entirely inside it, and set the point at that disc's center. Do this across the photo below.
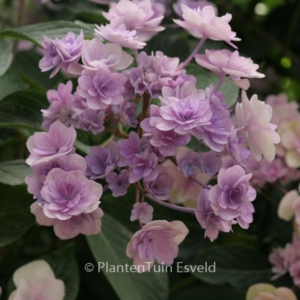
(168, 137)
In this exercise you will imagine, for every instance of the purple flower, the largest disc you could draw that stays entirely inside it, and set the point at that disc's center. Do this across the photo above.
(143, 166)
(69, 194)
(120, 35)
(204, 23)
(157, 240)
(207, 218)
(126, 113)
(283, 258)
(101, 88)
(165, 141)
(85, 223)
(101, 161)
(235, 148)
(60, 53)
(154, 72)
(217, 133)
(142, 212)
(61, 106)
(232, 194)
(161, 186)
(141, 16)
(183, 115)
(191, 163)
(246, 216)
(118, 183)
(36, 179)
(95, 54)
(193, 4)
(185, 87)
(224, 62)
(91, 120)
(263, 171)
(130, 147)
(44, 146)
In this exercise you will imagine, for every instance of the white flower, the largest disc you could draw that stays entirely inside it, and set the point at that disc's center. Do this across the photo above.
(254, 117)
(35, 281)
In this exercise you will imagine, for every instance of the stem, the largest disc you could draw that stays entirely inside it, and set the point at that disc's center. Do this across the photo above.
(173, 160)
(200, 183)
(198, 146)
(136, 53)
(172, 206)
(105, 187)
(163, 203)
(118, 134)
(281, 188)
(113, 118)
(240, 128)
(222, 77)
(196, 50)
(146, 101)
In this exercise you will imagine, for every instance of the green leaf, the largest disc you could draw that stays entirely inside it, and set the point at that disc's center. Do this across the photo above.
(13, 172)
(65, 267)
(109, 247)
(5, 57)
(205, 78)
(23, 109)
(15, 216)
(35, 32)
(238, 265)
(10, 83)
(26, 64)
(175, 46)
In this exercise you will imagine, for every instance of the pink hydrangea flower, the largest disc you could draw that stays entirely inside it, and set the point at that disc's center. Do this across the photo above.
(224, 62)
(61, 53)
(254, 117)
(204, 23)
(182, 115)
(208, 219)
(161, 186)
(101, 88)
(85, 223)
(283, 111)
(264, 171)
(36, 179)
(68, 194)
(193, 4)
(36, 280)
(157, 240)
(61, 106)
(95, 53)
(232, 195)
(166, 141)
(44, 146)
(142, 212)
(141, 16)
(283, 258)
(120, 35)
